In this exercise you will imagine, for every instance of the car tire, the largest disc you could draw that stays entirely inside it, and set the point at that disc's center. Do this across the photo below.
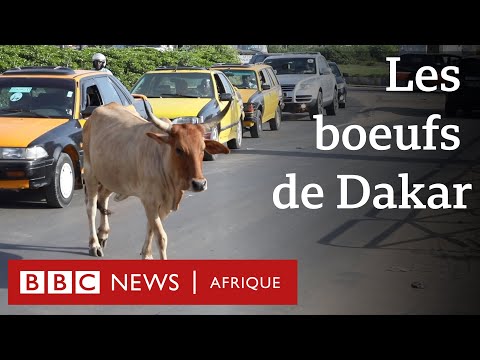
(333, 107)
(237, 142)
(343, 104)
(317, 109)
(276, 121)
(257, 129)
(215, 136)
(59, 193)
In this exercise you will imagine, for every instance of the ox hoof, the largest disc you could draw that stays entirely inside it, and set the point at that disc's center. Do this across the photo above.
(148, 257)
(103, 243)
(96, 251)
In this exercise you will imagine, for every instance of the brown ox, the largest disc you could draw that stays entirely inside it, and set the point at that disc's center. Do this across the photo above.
(129, 156)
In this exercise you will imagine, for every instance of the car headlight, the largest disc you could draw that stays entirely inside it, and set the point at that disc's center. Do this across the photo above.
(305, 86)
(32, 153)
(188, 120)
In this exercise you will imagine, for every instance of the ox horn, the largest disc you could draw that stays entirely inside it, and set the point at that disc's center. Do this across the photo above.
(217, 118)
(163, 124)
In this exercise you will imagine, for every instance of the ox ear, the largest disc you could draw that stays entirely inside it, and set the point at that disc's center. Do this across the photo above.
(214, 147)
(160, 138)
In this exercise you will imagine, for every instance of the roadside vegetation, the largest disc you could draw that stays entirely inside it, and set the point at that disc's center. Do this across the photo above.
(127, 64)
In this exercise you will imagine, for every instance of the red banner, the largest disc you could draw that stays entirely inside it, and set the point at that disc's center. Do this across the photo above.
(152, 282)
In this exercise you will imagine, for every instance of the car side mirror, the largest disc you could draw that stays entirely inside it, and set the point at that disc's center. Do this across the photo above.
(326, 71)
(226, 97)
(88, 111)
(345, 75)
(265, 87)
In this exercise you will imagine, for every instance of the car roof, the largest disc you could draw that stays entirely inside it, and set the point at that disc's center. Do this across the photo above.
(256, 66)
(49, 71)
(292, 55)
(179, 69)
(430, 54)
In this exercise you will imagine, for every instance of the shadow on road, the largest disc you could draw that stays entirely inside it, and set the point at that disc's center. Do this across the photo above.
(26, 199)
(419, 112)
(352, 156)
(54, 249)
(445, 232)
(4, 257)
(404, 111)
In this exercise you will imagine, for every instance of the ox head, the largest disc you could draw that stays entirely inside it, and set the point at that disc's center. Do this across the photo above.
(188, 144)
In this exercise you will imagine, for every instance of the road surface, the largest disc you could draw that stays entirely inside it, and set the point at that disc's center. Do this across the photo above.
(350, 261)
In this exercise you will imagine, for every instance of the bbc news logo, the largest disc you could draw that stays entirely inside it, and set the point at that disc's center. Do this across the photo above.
(157, 282)
(59, 282)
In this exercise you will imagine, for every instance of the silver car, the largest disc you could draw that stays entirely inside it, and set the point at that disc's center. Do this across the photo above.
(308, 83)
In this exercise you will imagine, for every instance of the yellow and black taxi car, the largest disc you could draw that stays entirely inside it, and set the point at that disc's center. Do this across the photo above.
(42, 112)
(195, 95)
(261, 93)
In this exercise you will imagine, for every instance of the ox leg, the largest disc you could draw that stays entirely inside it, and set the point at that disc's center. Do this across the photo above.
(104, 228)
(147, 253)
(155, 227)
(91, 193)
(162, 239)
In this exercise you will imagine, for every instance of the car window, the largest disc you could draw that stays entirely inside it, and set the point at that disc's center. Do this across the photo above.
(108, 92)
(175, 84)
(335, 70)
(322, 63)
(121, 91)
(296, 65)
(242, 79)
(226, 85)
(270, 78)
(92, 96)
(34, 97)
(273, 76)
(265, 78)
(219, 84)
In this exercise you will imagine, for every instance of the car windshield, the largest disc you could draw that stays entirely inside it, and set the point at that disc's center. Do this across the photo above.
(242, 79)
(335, 69)
(292, 65)
(175, 84)
(36, 97)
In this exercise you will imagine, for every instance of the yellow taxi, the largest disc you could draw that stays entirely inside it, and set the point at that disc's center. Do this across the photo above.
(261, 93)
(195, 95)
(42, 112)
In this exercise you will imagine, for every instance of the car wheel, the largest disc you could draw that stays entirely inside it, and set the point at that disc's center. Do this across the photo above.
(59, 193)
(333, 107)
(275, 122)
(236, 143)
(343, 104)
(256, 130)
(318, 107)
(215, 136)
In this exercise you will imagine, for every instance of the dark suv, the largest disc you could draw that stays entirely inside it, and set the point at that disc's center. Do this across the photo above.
(410, 63)
(467, 96)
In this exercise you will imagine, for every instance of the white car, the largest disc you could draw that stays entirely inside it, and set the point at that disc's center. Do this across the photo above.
(308, 83)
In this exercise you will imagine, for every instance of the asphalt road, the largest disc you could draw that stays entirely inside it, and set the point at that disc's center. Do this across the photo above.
(350, 261)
